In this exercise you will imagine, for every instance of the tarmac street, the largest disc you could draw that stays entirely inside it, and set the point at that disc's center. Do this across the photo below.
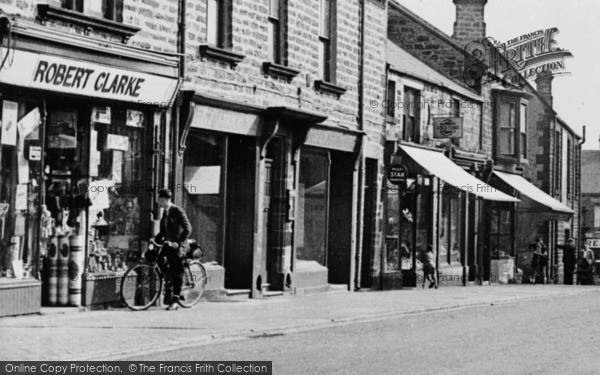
(525, 328)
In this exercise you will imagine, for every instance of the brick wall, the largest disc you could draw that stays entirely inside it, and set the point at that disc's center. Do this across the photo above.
(157, 20)
(439, 102)
(247, 82)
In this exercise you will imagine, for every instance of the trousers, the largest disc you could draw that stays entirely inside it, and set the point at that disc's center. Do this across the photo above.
(173, 270)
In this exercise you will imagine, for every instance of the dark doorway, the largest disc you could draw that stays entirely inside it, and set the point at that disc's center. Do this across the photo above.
(366, 277)
(240, 212)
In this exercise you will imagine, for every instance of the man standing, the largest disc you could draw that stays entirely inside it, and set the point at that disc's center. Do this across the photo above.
(569, 259)
(174, 231)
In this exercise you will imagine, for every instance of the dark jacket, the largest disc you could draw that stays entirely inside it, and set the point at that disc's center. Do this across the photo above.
(175, 227)
(569, 257)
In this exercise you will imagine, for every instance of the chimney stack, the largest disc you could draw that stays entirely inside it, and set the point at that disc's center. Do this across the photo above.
(469, 25)
(544, 86)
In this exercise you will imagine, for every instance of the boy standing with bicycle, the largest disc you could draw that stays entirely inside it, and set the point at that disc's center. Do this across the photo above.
(174, 231)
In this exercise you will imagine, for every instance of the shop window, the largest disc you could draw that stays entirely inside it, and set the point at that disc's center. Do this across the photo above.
(500, 233)
(312, 210)
(20, 179)
(596, 216)
(202, 198)
(450, 226)
(97, 165)
(411, 128)
(392, 233)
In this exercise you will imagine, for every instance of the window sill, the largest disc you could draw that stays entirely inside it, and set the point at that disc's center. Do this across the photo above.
(280, 71)
(219, 54)
(51, 12)
(329, 88)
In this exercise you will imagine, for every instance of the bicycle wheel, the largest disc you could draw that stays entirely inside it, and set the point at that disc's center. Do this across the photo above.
(194, 281)
(141, 286)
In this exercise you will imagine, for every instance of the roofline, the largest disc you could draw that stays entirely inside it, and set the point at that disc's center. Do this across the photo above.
(427, 25)
(565, 125)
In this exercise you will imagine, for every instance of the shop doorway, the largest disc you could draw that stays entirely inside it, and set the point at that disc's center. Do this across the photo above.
(240, 203)
(366, 278)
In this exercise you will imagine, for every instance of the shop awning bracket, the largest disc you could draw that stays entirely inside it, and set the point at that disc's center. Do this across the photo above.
(186, 129)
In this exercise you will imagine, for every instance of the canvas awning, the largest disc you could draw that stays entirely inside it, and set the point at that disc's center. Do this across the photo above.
(437, 164)
(533, 192)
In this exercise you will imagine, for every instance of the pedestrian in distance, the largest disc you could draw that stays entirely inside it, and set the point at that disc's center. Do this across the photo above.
(429, 271)
(569, 259)
(590, 259)
(174, 231)
(539, 262)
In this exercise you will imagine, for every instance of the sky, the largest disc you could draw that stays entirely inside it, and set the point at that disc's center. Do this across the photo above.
(575, 95)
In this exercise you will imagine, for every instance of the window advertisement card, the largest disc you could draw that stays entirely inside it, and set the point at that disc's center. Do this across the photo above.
(117, 166)
(23, 169)
(101, 115)
(117, 142)
(135, 118)
(9, 123)
(62, 129)
(21, 197)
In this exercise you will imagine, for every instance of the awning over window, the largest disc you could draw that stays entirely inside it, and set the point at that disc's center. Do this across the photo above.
(533, 192)
(437, 164)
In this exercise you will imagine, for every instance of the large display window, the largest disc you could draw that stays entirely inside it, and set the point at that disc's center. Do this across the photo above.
(313, 201)
(20, 178)
(202, 187)
(95, 185)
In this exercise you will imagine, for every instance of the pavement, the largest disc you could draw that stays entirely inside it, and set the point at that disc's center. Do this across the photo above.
(120, 333)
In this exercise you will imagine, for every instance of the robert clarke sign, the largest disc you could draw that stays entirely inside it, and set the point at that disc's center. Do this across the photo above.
(88, 79)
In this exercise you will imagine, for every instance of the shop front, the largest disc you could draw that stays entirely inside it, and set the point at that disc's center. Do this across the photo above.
(261, 183)
(536, 216)
(440, 204)
(81, 159)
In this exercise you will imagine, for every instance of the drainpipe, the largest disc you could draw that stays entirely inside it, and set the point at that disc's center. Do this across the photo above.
(176, 131)
(360, 163)
(579, 235)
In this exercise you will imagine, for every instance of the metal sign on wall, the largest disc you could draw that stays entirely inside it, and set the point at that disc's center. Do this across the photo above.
(448, 127)
(78, 77)
(397, 174)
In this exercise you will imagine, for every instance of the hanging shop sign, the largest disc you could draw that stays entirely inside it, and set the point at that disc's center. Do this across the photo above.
(397, 174)
(77, 77)
(448, 127)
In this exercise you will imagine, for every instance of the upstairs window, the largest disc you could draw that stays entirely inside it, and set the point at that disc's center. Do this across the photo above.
(411, 128)
(456, 109)
(523, 132)
(326, 42)
(275, 31)
(391, 100)
(507, 129)
(218, 21)
(108, 9)
(511, 127)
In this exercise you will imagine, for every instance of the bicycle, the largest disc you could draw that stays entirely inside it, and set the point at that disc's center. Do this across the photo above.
(142, 284)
